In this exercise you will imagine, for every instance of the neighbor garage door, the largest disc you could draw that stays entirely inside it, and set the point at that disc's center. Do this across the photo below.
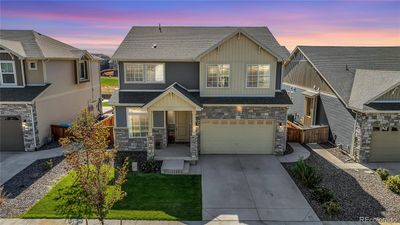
(237, 136)
(385, 146)
(11, 136)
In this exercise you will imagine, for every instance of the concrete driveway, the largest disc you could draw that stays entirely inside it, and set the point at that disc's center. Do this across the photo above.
(250, 187)
(11, 163)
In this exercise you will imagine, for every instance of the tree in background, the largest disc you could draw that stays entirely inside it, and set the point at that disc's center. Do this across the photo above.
(93, 164)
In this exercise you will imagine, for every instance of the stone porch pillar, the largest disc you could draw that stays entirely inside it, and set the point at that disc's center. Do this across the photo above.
(150, 146)
(194, 138)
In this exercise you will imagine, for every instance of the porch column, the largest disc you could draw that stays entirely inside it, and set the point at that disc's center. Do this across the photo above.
(194, 139)
(150, 137)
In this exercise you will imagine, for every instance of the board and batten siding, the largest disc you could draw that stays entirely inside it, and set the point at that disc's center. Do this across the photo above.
(392, 95)
(239, 51)
(185, 73)
(303, 74)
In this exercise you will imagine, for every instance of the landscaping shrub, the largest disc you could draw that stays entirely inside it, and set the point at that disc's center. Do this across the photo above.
(393, 183)
(383, 173)
(150, 166)
(47, 165)
(306, 174)
(322, 194)
(331, 208)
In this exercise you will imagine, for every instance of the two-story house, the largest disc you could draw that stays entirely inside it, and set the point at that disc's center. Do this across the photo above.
(42, 82)
(185, 91)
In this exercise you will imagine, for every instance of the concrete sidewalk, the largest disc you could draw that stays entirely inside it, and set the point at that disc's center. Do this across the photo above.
(143, 222)
(11, 163)
(335, 161)
(299, 152)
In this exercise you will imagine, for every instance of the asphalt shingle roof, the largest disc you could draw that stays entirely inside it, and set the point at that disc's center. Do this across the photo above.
(186, 43)
(36, 45)
(25, 94)
(368, 84)
(281, 98)
(331, 62)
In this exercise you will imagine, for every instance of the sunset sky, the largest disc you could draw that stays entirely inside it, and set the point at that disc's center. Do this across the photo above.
(100, 26)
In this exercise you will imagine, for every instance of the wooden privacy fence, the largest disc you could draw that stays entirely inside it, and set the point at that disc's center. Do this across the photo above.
(296, 133)
(60, 131)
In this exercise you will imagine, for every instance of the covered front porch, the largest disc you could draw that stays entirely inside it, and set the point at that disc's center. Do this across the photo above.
(172, 127)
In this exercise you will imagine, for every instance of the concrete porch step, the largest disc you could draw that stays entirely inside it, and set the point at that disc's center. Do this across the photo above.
(175, 167)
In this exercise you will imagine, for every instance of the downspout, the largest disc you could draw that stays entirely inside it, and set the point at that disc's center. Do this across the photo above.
(33, 125)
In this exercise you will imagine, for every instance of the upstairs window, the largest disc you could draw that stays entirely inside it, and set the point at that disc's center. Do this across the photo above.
(144, 73)
(258, 76)
(83, 71)
(8, 75)
(32, 65)
(218, 75)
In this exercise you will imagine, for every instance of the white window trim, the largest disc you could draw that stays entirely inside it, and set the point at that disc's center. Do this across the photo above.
(29, 65)
(144, 74)
(258, 74)
(229, 81)
(14, 73)
(138, 112)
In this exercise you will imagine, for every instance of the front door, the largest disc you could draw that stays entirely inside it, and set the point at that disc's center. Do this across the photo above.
(182, 126)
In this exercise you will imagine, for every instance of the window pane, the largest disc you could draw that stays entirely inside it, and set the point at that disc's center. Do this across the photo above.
(159, 73)
(264, 70)
(134, 72)
(258, 75)
(8, 78)
(218, 75)
(82, 70)
(137, 123)
(7, 68)
(150, 73)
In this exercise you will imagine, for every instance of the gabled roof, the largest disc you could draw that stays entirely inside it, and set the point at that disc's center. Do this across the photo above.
(18, 94)
(187, 43)
(369, 84)
(338, 65)
(31, 44)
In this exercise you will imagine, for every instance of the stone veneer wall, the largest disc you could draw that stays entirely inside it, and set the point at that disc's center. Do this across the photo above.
(363, 132)
(231, 112)
(124, 143)
(160, 137)
(30, 131)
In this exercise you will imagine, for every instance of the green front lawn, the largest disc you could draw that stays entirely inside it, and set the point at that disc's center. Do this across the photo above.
(149, 197)
(109, 81)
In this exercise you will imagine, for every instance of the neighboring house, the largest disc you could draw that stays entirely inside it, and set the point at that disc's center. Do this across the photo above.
(105, 63)
(213, 90)
(42, 82)
(354, 90)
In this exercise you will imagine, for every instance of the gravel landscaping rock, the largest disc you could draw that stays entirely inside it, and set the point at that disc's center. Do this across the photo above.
(30, 185)
(340, 154)
(358, 193)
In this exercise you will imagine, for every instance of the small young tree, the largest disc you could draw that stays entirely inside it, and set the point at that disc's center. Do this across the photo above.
(92, 162)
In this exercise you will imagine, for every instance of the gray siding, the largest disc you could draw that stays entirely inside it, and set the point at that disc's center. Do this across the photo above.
(185, 73)
(120, 116)
(332, 112)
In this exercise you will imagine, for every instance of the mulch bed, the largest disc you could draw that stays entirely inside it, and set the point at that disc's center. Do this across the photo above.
(358, 193)
(30, 185)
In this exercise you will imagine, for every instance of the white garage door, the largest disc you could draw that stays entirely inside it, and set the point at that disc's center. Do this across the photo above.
(236, 136)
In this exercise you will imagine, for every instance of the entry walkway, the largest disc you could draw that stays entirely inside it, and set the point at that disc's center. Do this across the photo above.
(335, 161)
(11, 163)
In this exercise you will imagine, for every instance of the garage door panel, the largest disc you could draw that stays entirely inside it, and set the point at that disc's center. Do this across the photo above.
(236, 137)
(11, 135)
(385, 146)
